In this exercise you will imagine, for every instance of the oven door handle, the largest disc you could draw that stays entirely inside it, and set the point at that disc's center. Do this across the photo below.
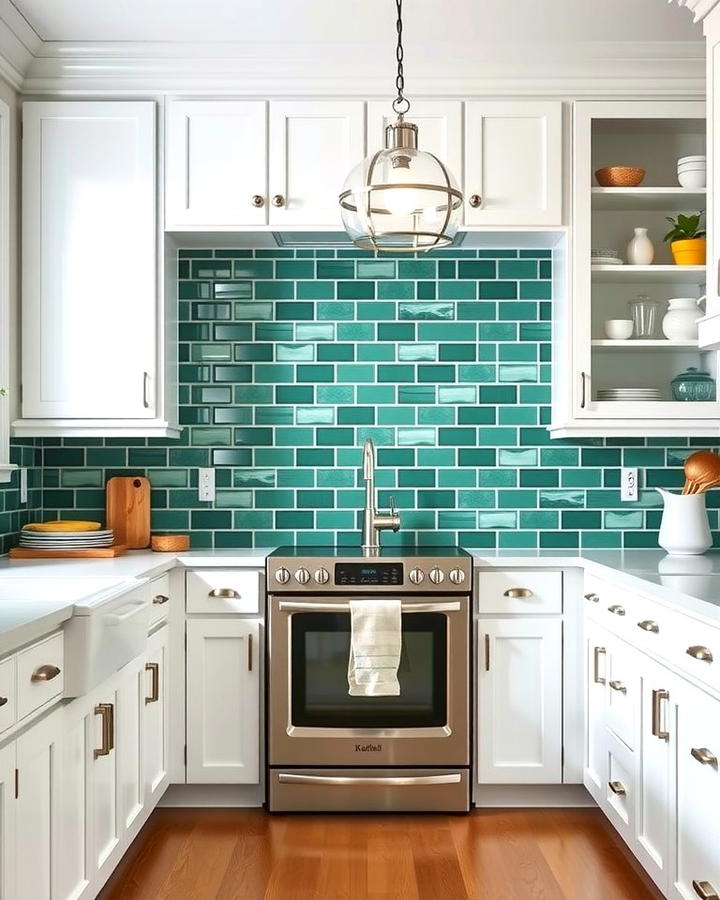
(300, 606)
(390, 781)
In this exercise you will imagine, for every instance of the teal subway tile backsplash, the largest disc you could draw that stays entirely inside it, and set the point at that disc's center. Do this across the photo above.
(288, 359)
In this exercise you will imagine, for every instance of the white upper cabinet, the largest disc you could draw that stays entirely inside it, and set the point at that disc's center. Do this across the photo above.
(216, 164)
(313, 146)
(513, 162)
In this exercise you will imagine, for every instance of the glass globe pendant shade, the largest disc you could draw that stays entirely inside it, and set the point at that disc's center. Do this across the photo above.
(400, 198)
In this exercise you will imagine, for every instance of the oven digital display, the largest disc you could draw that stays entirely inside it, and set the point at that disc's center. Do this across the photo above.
(364, 573)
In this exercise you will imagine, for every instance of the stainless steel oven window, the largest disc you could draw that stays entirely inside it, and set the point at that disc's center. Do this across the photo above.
(320, 646)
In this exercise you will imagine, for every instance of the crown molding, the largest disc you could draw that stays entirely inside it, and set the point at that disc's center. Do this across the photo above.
(19, 44)
(699, 8)
(622, 69)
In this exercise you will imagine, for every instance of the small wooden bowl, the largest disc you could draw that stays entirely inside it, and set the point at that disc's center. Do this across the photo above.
(170, 543)
(620, 176)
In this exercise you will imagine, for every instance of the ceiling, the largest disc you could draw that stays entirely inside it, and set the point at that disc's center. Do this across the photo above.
(486, 22)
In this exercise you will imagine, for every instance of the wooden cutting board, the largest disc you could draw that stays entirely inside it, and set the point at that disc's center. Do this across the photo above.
(127, 502)
(87, 553)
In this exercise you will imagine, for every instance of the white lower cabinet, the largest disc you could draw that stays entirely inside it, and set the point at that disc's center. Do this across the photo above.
(520, 701)
(154, 712)
(223, 701)
(7, 823)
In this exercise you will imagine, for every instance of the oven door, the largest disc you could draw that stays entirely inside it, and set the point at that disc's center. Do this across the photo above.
(314, 720)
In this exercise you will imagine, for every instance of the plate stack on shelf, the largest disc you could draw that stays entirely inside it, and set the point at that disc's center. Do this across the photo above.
(46, 537)
(629, 395)
(603, 256)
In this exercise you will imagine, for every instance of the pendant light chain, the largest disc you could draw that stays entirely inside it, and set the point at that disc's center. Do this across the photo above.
(400, 104)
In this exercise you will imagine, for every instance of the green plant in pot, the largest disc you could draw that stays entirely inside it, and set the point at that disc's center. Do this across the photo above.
(687, 239)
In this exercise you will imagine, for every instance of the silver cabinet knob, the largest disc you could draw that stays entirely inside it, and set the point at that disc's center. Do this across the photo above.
(416, 576)
(475, 200)
(282, 576)
(457, 576)
(437, 576)
(322, 576)
(258, 200)
(302, 576)
(278, 200)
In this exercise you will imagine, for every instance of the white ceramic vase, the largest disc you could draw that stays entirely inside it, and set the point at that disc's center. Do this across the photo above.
(640, 250)
(684, 529)
(680, 321)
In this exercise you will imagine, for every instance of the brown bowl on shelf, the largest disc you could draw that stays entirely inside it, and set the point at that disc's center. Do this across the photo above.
(169, 543)
(620, 176)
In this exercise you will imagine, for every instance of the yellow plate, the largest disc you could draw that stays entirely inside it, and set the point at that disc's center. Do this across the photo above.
(64, 525)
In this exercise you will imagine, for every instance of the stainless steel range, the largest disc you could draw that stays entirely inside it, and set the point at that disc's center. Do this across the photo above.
(332, 751)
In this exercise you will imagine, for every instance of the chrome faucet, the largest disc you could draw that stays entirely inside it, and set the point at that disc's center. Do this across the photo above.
(373, 521)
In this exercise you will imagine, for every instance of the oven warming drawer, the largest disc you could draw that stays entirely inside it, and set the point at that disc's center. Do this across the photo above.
(369, 790)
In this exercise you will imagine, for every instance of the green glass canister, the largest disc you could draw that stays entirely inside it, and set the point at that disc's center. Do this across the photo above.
(694, 385)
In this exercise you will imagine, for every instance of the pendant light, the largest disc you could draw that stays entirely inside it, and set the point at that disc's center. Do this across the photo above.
(401, 199)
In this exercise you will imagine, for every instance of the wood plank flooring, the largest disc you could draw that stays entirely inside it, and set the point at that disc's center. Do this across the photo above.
(508, 854)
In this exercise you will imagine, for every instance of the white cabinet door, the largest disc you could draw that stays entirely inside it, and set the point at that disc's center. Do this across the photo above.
(155, 717)
(7, 823)
(313, 146)
(596, 654)
(223, 701)
(37, 773)
(104, 828)
(129, 716)
(655, 771)
(513, 162)
(698, 796)
(89, 260)
(520, 701)
(215, 164)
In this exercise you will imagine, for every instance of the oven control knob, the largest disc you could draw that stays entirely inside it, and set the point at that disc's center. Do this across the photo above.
(416, 576)
(302, 576)
(322, 576)
(282, 576)
(437, 576)
(457, 576)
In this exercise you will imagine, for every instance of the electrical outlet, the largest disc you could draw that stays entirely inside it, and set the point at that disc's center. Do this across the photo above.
(23, 486)
(206, 485)
(628, 484)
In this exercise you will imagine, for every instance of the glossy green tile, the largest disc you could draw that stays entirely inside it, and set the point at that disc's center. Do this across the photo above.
(476, 269)
(355, 290)
(232, 415)
(294, 311)
(315, 331)
(375, 268)
(315, 290)
(355, 331)
(435, 311)
(356, 415)
(465, 394)
(416, 437)
(254, 311)
(295, 352)
(294, 269)
(335, 269)
(396, 290)
(273, 415)
(376, 311)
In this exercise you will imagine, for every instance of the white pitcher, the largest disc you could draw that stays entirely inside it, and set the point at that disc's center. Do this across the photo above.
(684, 530)
(680, 322)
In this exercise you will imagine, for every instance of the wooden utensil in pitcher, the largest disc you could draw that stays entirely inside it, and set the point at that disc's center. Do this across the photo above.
(700, 469)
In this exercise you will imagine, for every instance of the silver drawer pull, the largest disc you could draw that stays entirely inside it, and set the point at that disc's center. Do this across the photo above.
(705, 890)
(597, 678)
(617, 610)
(617, 787)
(154, 669)
(160, 598)
(390, 781)
(649, 625)
(593, 598)
(618, 686)
(699, 652)
(224, 593)
(704, 756)
(308, 606)
(657, 699)
(45, 673)
(518, 593)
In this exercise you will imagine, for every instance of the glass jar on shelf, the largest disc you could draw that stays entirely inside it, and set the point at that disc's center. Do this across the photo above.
(643, 312)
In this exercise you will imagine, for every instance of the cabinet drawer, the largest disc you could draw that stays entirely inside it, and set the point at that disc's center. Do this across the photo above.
(694, 647)
(8, 710)
(159, 592)
(39, 674)
(623, 692)
(619, 792)
(212, 591)
(524, 592)
(613, 607)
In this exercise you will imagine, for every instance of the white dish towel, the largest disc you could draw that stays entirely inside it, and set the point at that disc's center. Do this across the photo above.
(375, 645)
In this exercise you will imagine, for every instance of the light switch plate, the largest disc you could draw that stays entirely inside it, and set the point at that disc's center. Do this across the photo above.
(206, 485)
(628, 484)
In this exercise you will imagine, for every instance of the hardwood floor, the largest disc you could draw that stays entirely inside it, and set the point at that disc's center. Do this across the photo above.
(509, 854)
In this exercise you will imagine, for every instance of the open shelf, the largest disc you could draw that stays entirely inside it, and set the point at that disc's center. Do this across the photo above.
(650, 274)
(663, 199)
(638, 344)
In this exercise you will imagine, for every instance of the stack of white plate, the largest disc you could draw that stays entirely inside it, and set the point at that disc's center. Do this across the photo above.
(603, 256)
(629, 394)
(692, 172)
(66, 540)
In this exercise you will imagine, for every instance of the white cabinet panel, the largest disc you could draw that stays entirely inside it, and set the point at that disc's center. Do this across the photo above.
(513, 162)
(698, 796)
(520, 592)
(155, 717)
(216, 163)
(102, 781)
(313, 146)
(520, 701)
(223, 701)
(596, 650)
(7, 823)
(128, 742)
(89, 314)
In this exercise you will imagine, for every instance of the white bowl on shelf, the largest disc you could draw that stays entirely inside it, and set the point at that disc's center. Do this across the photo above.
(693, 179)
(618, 329)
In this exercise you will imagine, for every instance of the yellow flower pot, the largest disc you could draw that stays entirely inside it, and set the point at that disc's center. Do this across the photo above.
(689, 253)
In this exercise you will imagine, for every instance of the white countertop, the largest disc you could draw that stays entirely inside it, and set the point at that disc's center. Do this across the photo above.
(31, 605)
